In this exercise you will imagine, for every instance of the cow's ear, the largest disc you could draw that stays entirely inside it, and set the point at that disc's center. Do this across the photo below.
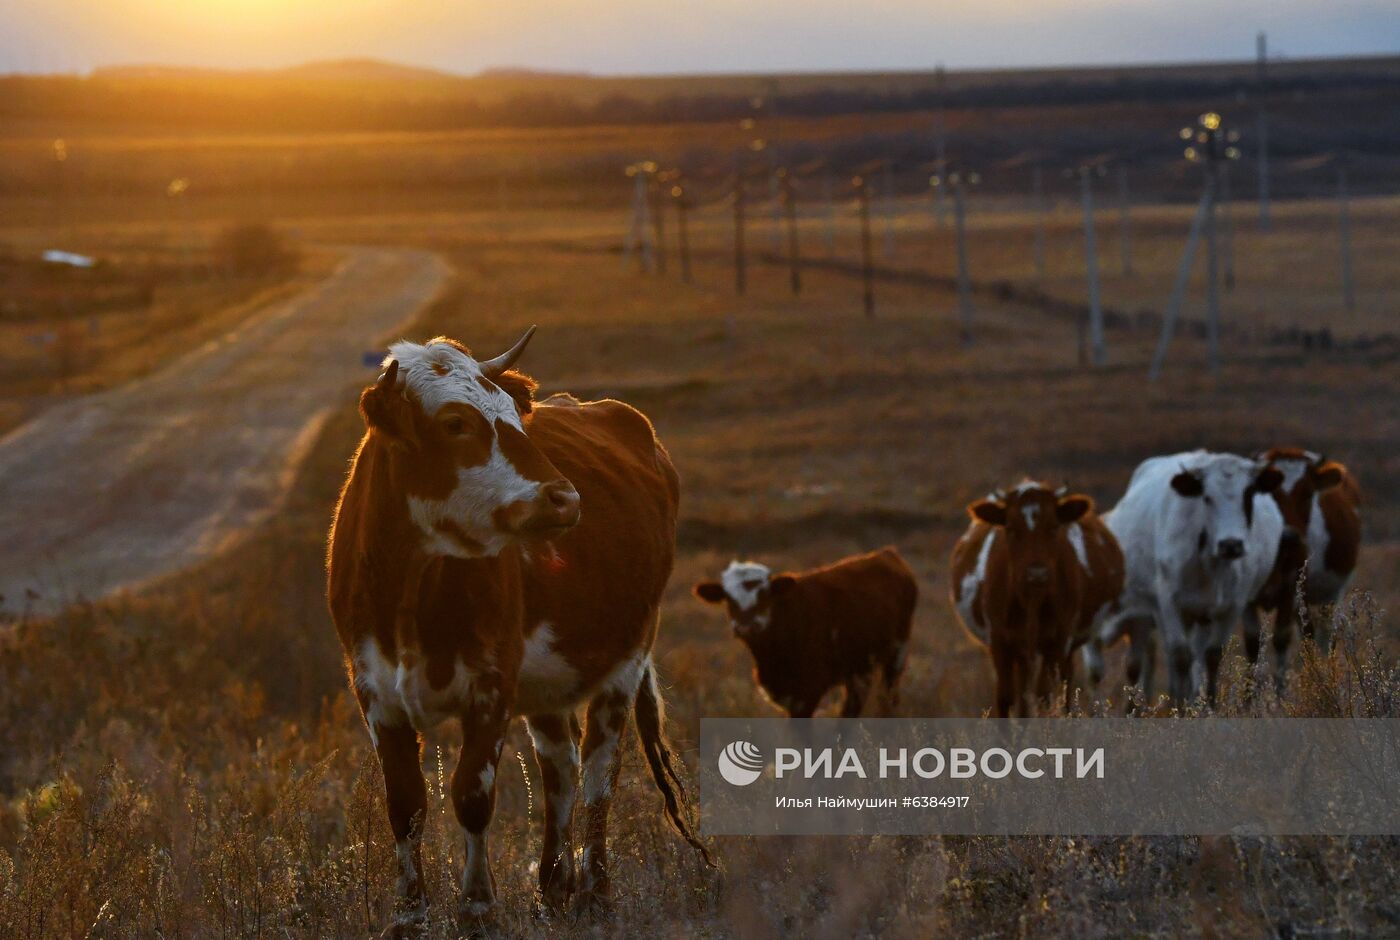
(711, 592)
(520, 387)
(780, 584)
(1188, 484)
(1073, 508)
(989, 511)
(386, 411)
(1327, 475)
(1269, 479)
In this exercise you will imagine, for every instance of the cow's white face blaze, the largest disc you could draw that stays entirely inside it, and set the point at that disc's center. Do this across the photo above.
(1031, 517)
(746, 588)
(472, 480)
(1218, 495)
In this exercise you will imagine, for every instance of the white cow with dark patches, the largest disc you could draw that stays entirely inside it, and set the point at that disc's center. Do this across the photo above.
(1199, 534)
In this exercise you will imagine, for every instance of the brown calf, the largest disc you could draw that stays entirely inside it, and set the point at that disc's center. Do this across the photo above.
(1034, 574)
(1321, 505)
(492, 557)
(845, 624)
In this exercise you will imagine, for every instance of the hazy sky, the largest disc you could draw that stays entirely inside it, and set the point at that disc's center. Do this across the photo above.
(630, 36)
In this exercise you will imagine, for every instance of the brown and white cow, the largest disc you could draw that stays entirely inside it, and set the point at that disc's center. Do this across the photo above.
(846, 624)
(1032, 576)
(493, 557)
(1321, 505)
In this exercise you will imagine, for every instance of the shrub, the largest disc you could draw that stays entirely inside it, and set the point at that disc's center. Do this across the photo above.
(253, 248)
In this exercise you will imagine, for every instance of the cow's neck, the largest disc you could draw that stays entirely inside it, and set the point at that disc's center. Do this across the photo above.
(386, 574)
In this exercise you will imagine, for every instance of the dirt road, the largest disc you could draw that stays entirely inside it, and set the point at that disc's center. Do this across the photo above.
(117, 488)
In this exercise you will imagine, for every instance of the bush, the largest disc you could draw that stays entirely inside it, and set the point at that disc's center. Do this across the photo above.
(253, 248)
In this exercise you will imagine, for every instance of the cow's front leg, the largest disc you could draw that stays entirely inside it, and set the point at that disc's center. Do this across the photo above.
(474, 799)
(406, 796)
(1217, 632)
(606, 721)
(1179, 653)
(1142, 656)
(556, 749)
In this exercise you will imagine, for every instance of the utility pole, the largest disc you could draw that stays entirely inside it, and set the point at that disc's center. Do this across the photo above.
(640, 230)
(657, 183)
(1227, 227)
(1091, 264)
(1209, 144)
(1262, 130)
(1183, 277)
(940, 147)
(862, 187)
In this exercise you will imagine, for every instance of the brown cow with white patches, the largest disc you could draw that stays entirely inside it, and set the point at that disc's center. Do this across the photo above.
(493, 557)
(846, 624)
(1321, 505)
(1033, 575)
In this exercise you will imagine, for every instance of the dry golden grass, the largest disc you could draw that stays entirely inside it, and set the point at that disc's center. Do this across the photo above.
(187, 763)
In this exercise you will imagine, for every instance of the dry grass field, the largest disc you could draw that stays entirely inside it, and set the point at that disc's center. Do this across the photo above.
(188, 763)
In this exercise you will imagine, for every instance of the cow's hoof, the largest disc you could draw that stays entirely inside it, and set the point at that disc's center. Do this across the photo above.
(475, 917)
(593, 905)
(410, 923)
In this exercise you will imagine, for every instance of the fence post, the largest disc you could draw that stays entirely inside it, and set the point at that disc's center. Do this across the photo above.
(1038, 206)
(829, 194)
(964, 280)
(1344, 232)
(1091, 265)
(1125, 222)
(794, 259)
(866, 249)
(682, 230)
(887, 207)
(740, 263)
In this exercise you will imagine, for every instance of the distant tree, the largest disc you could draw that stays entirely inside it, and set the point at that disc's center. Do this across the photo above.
(253, 248)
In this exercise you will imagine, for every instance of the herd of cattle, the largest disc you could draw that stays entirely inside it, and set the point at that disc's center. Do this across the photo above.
(1199, 543)
(493, 556)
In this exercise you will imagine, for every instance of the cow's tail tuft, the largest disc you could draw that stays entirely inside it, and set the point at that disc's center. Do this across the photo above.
(650, 714)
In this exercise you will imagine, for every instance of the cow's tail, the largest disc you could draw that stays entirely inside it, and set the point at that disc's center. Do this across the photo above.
(650, 712)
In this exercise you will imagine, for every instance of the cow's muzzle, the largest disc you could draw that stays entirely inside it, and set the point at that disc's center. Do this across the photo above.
(554, 510)
(1229, 549)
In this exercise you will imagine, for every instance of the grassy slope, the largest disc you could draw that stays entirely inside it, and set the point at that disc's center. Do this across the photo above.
(190, 759)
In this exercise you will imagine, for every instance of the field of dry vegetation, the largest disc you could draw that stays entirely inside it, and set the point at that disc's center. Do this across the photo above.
(187, 762)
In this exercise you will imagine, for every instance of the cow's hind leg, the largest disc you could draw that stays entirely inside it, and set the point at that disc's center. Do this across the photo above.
(474, 799)
(406, 795)
(556, 749)
(602, 759)
(857, 690)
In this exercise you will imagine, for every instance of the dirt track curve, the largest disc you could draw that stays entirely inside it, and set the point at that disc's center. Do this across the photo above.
(118, 488)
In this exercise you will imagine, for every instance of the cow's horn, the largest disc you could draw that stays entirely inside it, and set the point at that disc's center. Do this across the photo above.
(493, 367)
(389, 376)
(1062, 491)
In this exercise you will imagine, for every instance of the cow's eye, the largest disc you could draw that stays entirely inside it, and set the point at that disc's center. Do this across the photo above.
(454, 425)
(1209, 501)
